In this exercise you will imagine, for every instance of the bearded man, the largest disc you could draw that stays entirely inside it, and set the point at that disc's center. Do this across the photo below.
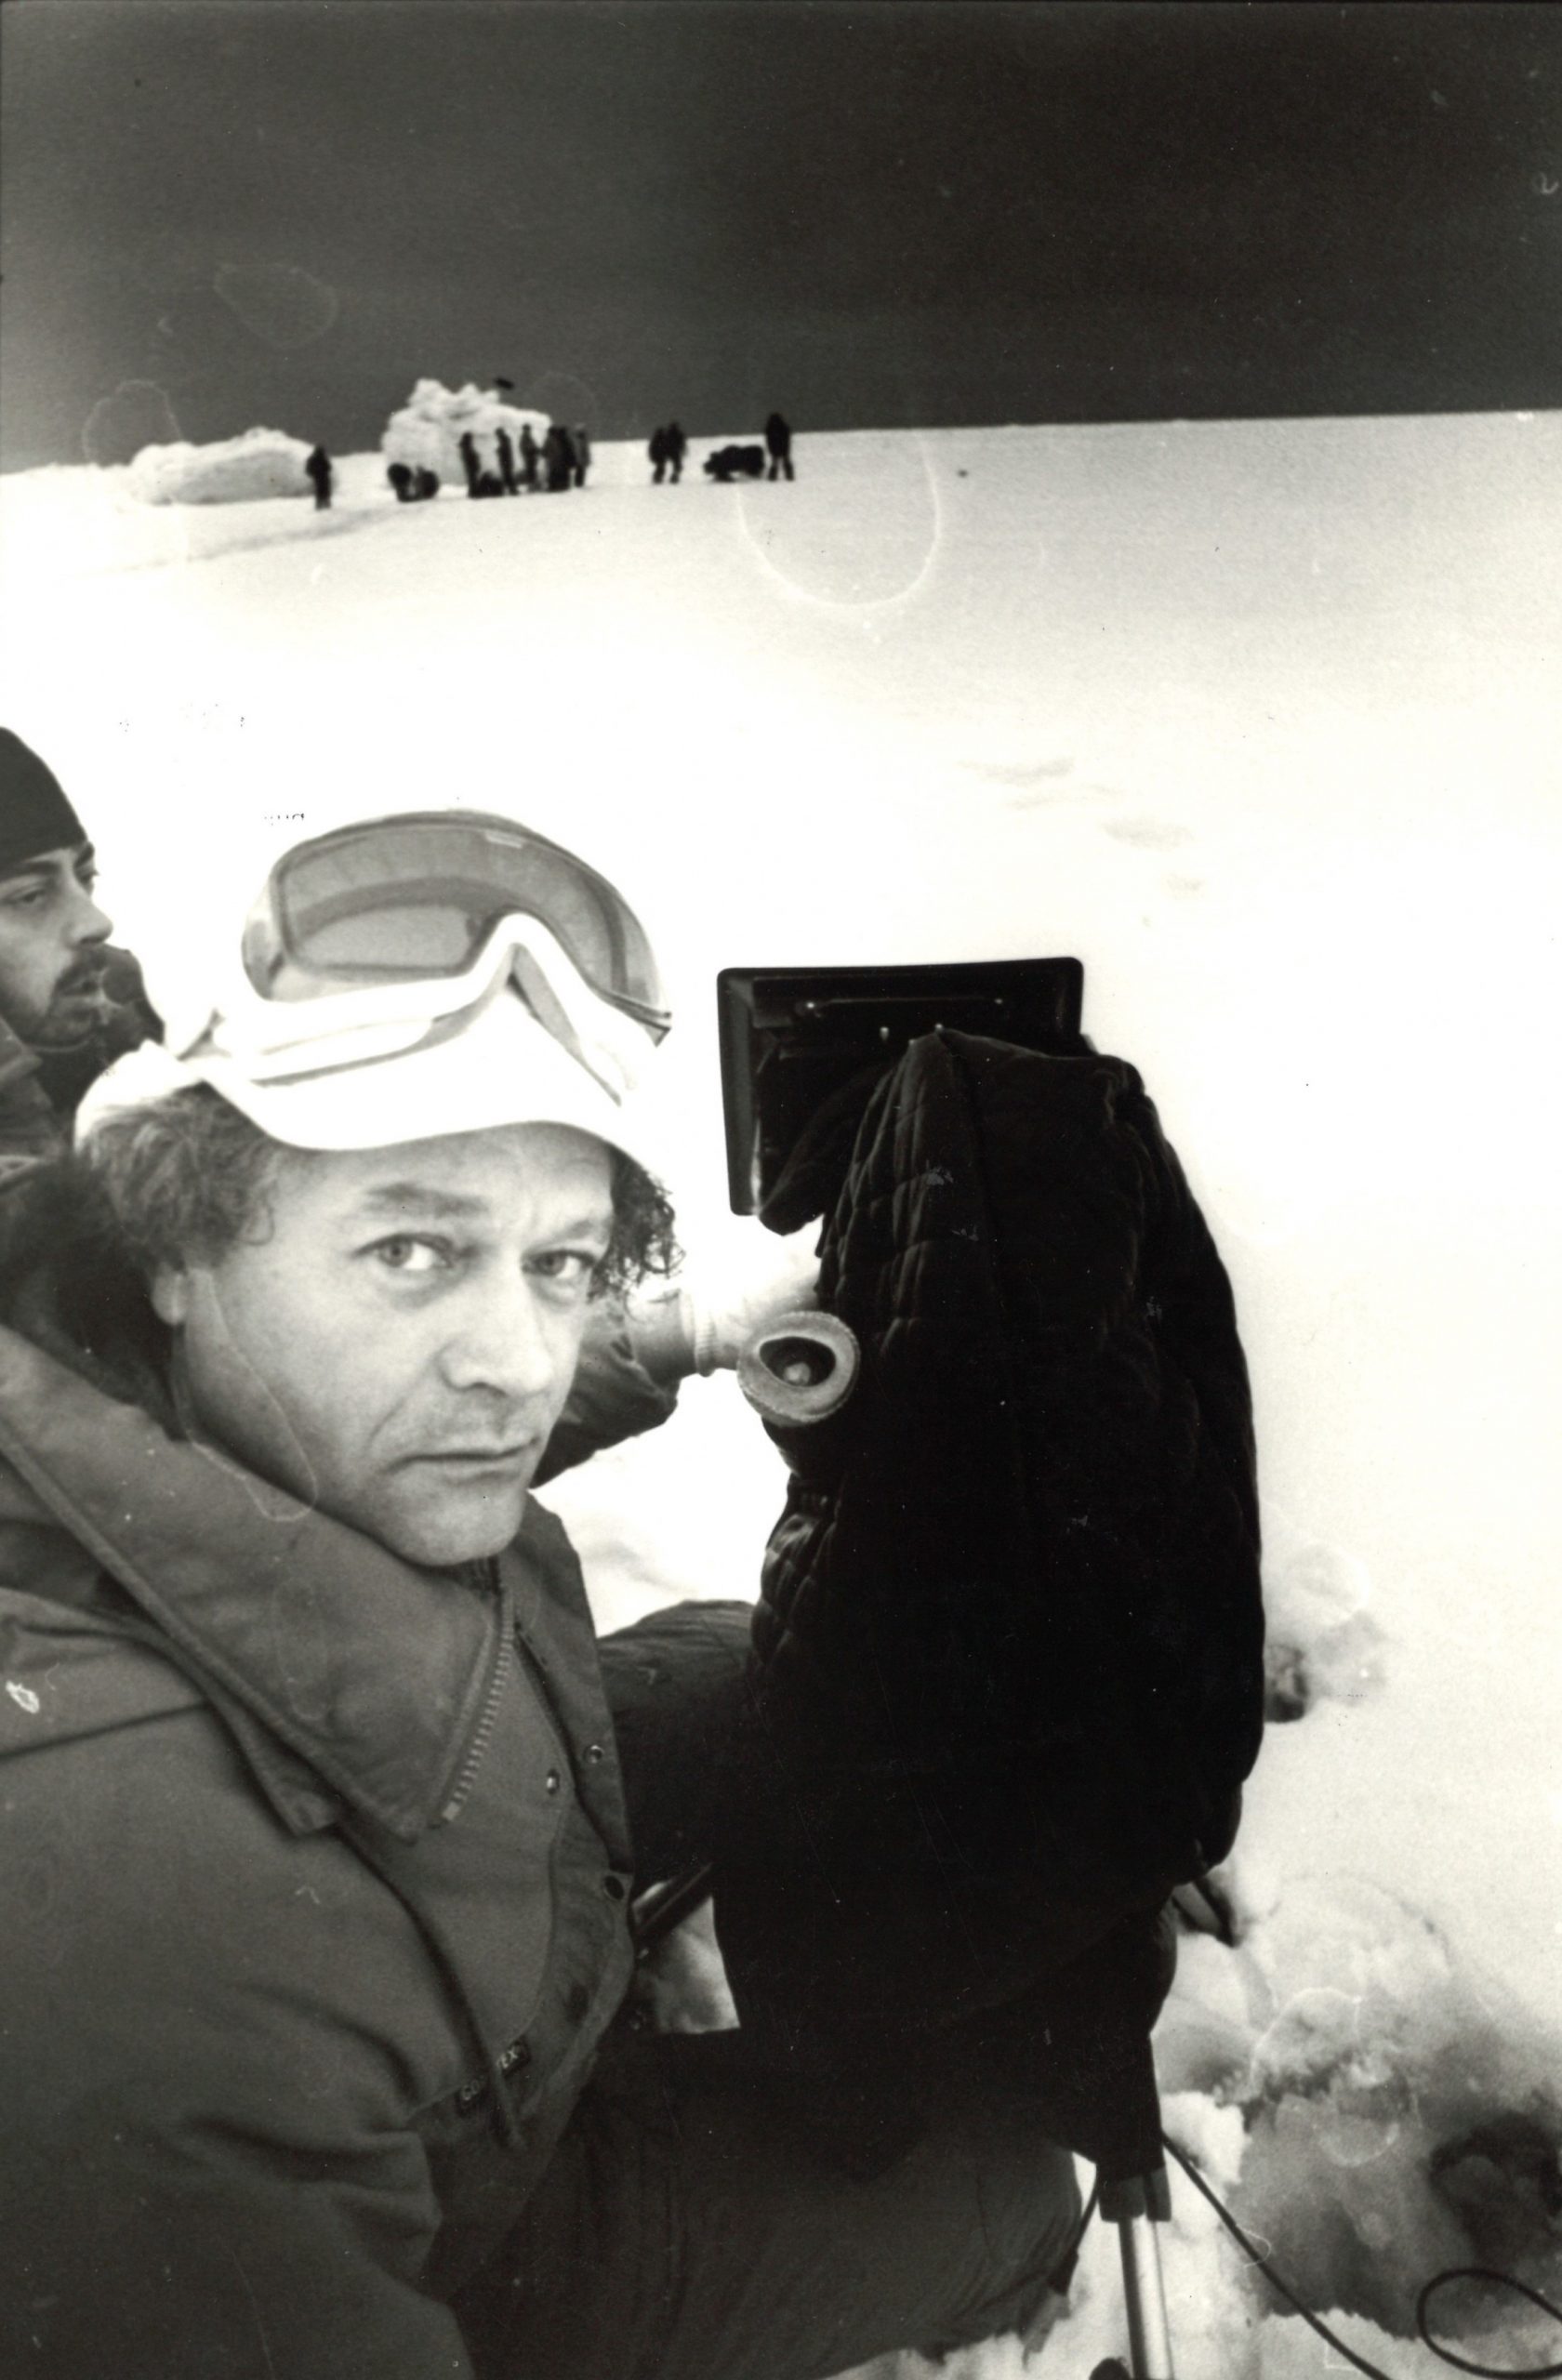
(68, 1004)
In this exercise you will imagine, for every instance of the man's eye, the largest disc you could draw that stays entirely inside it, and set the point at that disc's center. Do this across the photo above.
(27, 897)
(408, 1255)
(567, 1265)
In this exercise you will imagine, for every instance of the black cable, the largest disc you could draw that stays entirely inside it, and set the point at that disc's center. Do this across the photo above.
(664, 1904)
(1200, 2184)
(1063, 2271)
(1503, 2280)
(1375, 2372)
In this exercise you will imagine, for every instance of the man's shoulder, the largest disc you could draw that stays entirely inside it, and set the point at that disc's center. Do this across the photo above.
(75, 1676)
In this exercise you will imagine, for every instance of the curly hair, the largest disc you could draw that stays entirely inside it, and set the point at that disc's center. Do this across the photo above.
(187, 1178)
(644, 1236)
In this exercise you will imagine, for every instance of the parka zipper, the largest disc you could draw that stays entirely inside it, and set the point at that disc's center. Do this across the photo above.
(487, 1720)
(497, 2064)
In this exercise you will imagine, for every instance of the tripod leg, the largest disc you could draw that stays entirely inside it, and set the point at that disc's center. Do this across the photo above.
(1135, 2203)
(1149, 2341)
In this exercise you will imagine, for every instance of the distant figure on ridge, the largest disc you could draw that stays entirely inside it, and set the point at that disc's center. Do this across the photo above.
(466, 447)
(504, 447)
(400, 477)
(657, 456)
(530, 454)
(582, 454)
(677, 447)
(317, 465)
(428, 483)
(778, 445)
(558, 458)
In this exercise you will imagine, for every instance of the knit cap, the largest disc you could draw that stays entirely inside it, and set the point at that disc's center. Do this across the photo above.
(35, 814)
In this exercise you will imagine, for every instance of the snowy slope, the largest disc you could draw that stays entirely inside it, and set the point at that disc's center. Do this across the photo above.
(1260, 719)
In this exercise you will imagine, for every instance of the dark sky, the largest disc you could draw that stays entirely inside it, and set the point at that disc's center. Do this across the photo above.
(868, 215)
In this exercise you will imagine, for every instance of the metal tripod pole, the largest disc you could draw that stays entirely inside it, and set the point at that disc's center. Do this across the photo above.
(1136, 2205)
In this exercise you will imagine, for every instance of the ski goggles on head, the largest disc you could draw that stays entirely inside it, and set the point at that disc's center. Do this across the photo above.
(395, 936)
(420, 899)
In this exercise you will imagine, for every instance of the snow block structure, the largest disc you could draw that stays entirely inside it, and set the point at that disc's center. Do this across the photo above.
(247, 469)
(426, 432)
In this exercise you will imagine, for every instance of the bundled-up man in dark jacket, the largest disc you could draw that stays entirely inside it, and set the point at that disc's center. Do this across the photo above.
(316, 2038)
(69, 1003)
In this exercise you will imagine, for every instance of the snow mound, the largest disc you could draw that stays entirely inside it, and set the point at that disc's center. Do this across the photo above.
(1323, 1644)
(257, 464)
(426, 432)
(1400, 2116)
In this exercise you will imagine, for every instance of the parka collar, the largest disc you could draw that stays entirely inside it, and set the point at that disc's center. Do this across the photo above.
(371, 1670)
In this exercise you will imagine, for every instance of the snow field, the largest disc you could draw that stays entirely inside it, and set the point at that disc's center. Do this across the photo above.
(1260, 721)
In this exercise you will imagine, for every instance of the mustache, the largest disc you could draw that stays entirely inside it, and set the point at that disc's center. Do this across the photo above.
(87, 975)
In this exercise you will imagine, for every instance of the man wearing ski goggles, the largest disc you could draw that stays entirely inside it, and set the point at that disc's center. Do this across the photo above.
(316, 2053)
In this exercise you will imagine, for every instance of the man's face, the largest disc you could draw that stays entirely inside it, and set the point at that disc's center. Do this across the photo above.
(398, 1345)
(52, 934)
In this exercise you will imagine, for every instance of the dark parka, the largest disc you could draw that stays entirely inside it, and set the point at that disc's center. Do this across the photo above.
(315, 1868)
(1007, 1663)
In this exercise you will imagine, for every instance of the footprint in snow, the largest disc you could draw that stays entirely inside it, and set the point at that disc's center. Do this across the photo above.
(1035, 777)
